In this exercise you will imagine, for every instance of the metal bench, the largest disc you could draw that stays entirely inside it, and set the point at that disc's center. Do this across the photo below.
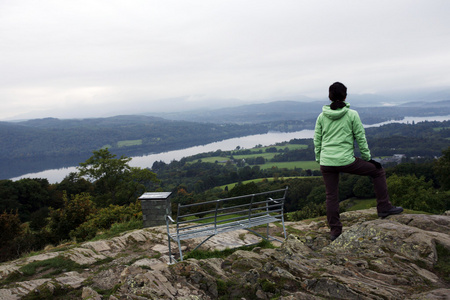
(207, 219)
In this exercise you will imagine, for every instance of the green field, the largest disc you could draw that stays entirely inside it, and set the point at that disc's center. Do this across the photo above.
(267, 156)
(231, 185)
(289, 146)
(358, 204)
(213, 159)
(128, 143)
(305, 165)
(261, 152)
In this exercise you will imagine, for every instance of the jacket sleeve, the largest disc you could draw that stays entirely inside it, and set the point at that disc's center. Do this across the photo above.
(318, 138)
(360, 137)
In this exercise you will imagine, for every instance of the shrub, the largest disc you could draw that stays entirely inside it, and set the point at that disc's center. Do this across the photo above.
(75, 212)
(311, 210)
(105, 218)
(417, 194)
(10, 227)
(363, 188)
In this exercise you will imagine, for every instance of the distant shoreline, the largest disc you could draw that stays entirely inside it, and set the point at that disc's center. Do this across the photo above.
(146, 161)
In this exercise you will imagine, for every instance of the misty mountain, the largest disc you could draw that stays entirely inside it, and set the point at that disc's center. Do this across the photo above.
(308, 111)
(439, 104)
(252, 113)
(91, 122)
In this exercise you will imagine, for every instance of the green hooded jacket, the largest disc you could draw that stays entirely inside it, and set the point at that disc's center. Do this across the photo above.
(334, 136)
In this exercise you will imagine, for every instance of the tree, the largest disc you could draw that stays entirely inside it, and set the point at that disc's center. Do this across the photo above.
(259, 160)
(442, 169)
(9, 196)
(114, 180)
(104, 218)
(317, 195)
(75, 212)
(33, 194)
(74, 184)
(135, 183)
(10, 227)
(363, 188)
(244, 189)
(416, 193)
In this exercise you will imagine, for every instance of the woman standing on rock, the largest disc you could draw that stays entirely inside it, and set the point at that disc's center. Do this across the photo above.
(337, 127)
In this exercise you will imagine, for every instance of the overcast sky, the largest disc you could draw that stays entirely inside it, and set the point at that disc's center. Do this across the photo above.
(67, 58)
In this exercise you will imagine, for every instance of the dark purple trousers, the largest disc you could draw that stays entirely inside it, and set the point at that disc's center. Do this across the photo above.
(358, 167)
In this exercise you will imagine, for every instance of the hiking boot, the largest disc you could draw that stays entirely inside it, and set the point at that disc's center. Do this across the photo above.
(393, 211)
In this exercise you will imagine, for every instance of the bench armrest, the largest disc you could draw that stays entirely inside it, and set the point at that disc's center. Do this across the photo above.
(276, 201)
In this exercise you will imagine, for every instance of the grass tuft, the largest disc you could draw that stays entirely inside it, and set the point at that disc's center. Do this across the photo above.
(442, 265)
(50, 268)
(118, 228)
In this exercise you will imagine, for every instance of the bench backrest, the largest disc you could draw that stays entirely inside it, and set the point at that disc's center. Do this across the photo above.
(231, 210)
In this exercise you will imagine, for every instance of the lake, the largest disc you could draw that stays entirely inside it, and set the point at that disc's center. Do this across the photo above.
(146, 161)
(270, 138)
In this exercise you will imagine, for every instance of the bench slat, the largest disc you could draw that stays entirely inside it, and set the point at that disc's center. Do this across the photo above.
(210, 230)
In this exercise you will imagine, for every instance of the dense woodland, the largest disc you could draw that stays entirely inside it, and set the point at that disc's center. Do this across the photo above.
(103, 192)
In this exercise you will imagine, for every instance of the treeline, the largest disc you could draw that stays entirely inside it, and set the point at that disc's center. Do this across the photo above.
(425, 139)
(103, 192)
(200, 176)
(58, 138)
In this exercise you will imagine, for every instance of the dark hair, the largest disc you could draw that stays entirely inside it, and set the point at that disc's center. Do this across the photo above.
(337, 94)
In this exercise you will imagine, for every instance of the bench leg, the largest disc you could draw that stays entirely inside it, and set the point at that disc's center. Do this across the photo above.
(170, 249)
(179, 248)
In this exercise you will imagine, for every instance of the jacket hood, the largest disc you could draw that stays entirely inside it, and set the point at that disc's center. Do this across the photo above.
(335, 114)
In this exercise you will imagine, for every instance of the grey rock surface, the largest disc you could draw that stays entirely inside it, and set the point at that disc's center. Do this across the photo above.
(392, 258)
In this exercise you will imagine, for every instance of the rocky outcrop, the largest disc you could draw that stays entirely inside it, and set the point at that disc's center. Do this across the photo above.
(400, 257)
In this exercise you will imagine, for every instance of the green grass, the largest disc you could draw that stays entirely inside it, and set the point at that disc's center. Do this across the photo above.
(231, 185)
(57, 264)
(51, 267)
(212, 159)
(416, 212)
(266, 156)
(311, 164)
(255, 152)
(128, 143)
(118, 228)
(359, 204)
(289, 146)
(362, 204)
(440, 128)
(442, 265)
(219, 218)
